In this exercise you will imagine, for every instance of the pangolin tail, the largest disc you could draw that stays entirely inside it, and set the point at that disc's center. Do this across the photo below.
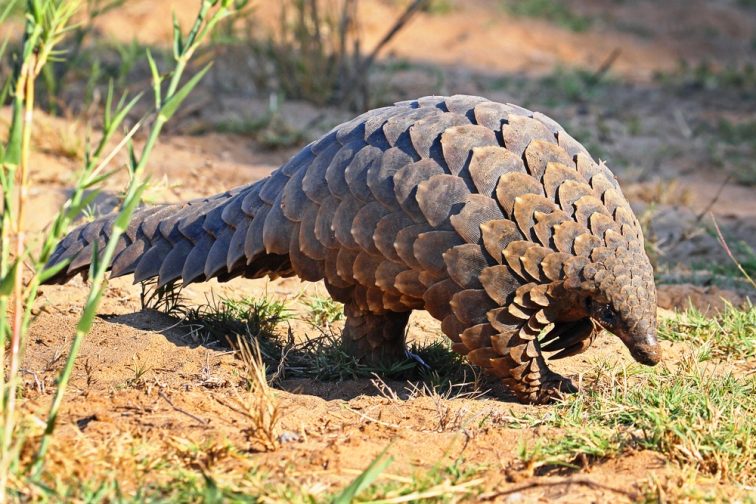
(215, 237)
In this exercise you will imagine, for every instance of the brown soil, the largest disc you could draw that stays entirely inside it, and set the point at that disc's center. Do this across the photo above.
(337, 428)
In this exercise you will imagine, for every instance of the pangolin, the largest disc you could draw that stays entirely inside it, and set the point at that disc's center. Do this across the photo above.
(487, 215)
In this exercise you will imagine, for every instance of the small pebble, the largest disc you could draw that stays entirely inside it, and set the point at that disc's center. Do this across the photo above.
(289, 437)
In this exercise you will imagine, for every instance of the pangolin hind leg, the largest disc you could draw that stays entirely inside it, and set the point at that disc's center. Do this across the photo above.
(374, 338)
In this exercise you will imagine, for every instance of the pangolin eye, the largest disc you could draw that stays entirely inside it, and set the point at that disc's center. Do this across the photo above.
(607, 315)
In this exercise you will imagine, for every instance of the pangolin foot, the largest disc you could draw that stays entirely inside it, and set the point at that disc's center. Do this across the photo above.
(554, 388)
(375, 340)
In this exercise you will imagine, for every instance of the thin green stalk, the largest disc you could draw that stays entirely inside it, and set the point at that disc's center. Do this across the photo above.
(85, 324)
(16, 162)
(4, 270)
(25, 90)
(76, 202)
(45, 27)
(11, 159)
(4, 243)
(165, 110)
(72, 207)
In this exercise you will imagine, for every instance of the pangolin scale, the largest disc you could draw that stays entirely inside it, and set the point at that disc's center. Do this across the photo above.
(487, 215)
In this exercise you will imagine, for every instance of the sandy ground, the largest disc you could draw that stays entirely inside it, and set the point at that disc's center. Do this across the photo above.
(337, 427)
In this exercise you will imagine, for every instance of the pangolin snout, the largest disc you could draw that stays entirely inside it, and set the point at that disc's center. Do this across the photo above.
(646, 349)
(649, 355)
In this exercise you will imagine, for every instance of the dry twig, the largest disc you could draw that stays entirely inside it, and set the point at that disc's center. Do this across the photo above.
(715, 198)
(182, 411)
(550, 483)
(723, 242)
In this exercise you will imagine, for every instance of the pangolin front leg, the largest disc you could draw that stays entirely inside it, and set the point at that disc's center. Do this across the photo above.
(487, 215)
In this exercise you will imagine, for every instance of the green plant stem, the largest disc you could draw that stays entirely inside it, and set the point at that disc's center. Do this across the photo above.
(4, 329)
(133, 195)
(8, 183)
(45, 26)
(25, 90)
(64, 217)
(58, 228)
(4, 260)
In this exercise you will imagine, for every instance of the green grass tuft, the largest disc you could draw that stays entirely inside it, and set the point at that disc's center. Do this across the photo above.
(735, 142)
(570, 85)
(226, 319)
(573, 450)
(734, 133)
(705, 75)
(272, 131)
(324, 310)
(730, 335)
(323, 357)
(439, 484)
(694, 415)
(554, 11)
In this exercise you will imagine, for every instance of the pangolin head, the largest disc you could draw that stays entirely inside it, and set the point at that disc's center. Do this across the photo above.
(622, 299)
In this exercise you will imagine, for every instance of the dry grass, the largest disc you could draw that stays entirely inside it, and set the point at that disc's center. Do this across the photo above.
(257, 402)
(316, 53)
